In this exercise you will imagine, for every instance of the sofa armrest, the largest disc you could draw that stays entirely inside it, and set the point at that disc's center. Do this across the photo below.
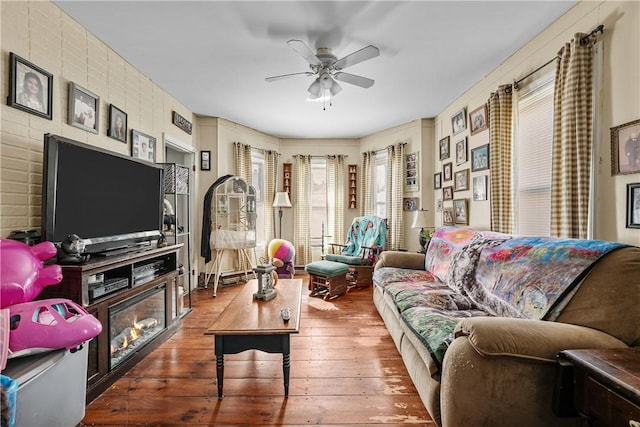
(530, 339)
(398, 259)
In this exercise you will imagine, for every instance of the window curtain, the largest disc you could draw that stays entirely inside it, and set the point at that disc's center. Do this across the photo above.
(572, 135)
(243, 161)
(302, 210)
(395, 187)
(366, 183)
(271, 178)
(336, 198)
(500, 140)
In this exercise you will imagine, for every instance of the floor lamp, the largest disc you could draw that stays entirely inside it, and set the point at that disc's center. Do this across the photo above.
(281, 201)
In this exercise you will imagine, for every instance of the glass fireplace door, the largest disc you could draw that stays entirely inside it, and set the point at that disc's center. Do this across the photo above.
(135, 322)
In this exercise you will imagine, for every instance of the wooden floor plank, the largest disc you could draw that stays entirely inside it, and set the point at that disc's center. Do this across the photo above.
(345, 370)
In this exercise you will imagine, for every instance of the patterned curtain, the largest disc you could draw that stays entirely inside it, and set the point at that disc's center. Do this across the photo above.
(271, 179)
(500, 140)
(366, 183)
(395, 187)
(572, 139)
(302, 210)
(243, 161)
(335, 198)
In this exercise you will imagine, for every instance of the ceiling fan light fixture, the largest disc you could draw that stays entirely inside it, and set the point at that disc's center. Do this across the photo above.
(326, 80)
(335, 88)
(315, 89)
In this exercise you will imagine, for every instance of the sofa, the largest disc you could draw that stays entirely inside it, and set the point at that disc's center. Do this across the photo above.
(480, 318)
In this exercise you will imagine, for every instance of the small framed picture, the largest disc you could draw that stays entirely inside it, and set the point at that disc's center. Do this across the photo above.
(205, 160)
(410, 204)
(444, 148)
(447, 216)
(447, 193)
(437, 180)
(461, 151)
(117, 124)
(478, 119)
(412, 172)
(84, 108)
(633, 205)
(461, 181)
(480, 158)
(447, 172)
(30, 87)
(143, 146)
(480, 187)
(460, 212)
(439, 205)
(625, 148)
(459, 121)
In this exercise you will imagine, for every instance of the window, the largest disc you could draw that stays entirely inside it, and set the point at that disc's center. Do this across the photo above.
(532, 153)
(257, 180)
(380, 184)
(318, 223)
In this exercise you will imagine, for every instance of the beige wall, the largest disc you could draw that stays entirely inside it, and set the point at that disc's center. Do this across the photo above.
(42, 34)
(620, 103)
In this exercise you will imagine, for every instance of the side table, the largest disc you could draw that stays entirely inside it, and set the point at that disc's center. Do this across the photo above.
(605, 386)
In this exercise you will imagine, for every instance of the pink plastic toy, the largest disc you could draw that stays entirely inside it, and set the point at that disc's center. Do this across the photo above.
(49, 324)
(22, 274)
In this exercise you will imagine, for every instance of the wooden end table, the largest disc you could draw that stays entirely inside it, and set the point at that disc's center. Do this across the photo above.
(252, 324)
(606, 385)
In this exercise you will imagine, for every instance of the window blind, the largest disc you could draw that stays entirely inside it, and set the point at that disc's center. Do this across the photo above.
(533, 153)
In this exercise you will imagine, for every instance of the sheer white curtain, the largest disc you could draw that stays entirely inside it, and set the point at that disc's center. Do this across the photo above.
(302, 209)
(336, 197)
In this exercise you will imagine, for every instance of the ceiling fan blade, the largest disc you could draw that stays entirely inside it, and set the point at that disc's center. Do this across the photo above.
(304, 51)
(286, 76)
(354, 80)
(356, 57)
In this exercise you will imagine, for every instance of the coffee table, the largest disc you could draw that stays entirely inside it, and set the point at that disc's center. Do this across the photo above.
(252, 324)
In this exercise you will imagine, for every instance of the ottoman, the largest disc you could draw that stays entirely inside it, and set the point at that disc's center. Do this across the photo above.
(328, 279)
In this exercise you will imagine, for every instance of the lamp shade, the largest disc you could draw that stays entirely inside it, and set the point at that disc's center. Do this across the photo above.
(420, 220)
(281, 200)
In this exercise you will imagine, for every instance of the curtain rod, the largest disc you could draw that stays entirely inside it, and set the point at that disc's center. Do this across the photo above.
(584, 40)
(326, 156)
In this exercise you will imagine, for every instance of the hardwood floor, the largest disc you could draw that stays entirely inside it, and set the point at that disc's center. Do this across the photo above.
(345, 370)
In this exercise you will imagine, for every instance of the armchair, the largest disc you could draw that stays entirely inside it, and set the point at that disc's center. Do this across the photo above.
(366, 239)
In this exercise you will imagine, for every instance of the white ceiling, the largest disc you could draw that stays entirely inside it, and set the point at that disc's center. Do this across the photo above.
(213, 56)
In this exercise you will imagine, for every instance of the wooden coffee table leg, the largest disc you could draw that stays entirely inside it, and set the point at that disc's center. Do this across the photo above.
(219, 350)
(286, 363)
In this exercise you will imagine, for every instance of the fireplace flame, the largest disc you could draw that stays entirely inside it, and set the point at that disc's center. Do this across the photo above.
(131, 333)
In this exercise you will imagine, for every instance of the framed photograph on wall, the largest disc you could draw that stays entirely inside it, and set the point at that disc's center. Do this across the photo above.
(30, 87)
(444, 148)
(117, 124)
(439, 205)
(625, 148)
(459, 121)
(409, 203)
(461, 181)
(461, 151)
(412, 174)
(84, 108)
(480, 187)
(447, 216)
(460, 215)
(205, 160)
(143, 146)
(447, 193)
(478, 119)
(447, 172)
(480, 158)
(633, 205)
(437, 180)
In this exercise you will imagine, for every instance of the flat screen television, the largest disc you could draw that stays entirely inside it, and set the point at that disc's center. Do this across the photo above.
(111, 201)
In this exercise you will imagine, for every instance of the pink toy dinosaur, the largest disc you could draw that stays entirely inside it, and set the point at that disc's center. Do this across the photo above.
(22, 273)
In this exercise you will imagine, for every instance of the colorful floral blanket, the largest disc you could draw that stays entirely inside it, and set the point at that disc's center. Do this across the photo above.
(467, 271)
(367, 231)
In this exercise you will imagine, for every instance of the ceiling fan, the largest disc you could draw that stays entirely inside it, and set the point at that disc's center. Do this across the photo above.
(328, 68)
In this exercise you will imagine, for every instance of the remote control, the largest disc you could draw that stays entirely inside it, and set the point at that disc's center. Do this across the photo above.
(286, 315)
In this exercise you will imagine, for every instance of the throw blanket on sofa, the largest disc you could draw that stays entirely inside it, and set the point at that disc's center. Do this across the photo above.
(511, 276)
